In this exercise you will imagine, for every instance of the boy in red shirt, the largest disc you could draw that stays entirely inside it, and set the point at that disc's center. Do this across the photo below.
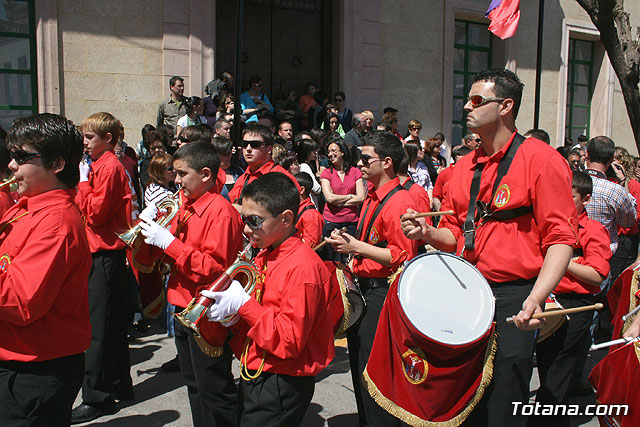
(45, 262)
(310, 221)
(204, 239)
(284, 331)
(104, 198)
(563, 351)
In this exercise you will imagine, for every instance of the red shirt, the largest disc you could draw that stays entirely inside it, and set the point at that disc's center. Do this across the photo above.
(440, 188)
(594, 241)
(310, 223)
(514, 249)
(209, 241)
(634, 190)
(105, 203)
(251, 176)
(292, 327)
(420, 197)
(386, 228)
(44, 268)
(6, 200)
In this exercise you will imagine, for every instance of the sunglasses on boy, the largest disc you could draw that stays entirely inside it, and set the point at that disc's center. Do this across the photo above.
(21, 157)
(254, 143)
(479, 100)
(255, 222)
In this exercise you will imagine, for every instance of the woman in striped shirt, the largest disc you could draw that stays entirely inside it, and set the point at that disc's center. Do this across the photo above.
(161, 177)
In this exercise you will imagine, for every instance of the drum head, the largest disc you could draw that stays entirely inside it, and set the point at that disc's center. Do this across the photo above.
(446, 298)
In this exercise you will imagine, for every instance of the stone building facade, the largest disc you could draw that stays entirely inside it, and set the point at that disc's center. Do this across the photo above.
(76, 57)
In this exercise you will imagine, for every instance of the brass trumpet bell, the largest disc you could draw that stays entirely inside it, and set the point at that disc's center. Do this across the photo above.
(242, 270)
(170, 204)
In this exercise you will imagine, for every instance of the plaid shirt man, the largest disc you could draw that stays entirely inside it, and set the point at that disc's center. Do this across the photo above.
(612, 206)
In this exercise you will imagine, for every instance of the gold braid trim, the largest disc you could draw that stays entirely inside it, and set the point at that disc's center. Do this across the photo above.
(632, 302)
(160, 299)
(415, 421)
(395, 274)
(342, 330)
(207, 348)
(142, 267)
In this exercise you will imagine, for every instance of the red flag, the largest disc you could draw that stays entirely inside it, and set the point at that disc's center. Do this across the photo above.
(504, 16)
(616, 380)
(622, 299)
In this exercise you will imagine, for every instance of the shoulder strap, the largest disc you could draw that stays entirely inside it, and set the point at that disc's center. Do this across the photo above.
(503, 167)
(407, 185)
(375, 213)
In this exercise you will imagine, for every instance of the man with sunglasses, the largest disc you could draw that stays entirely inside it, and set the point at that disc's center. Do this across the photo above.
(520, 237)
(44, 267)
(204, 239)
(472, 140)
(257, 142)
(379, 249)
(255, 102)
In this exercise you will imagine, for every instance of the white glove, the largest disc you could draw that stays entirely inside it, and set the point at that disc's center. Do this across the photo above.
(226, 303)
(84, 171)
(156, 235)
(149, 213)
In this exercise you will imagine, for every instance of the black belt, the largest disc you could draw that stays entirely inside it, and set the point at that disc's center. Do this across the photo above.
(373, 282)
(517, 282)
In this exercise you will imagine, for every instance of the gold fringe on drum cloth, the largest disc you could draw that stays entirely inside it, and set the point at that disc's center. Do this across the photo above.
(415, 421)
(345, 302)
(632, 302)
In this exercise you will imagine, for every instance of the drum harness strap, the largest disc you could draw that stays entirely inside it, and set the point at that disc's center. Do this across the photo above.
(375, 282)
(407, 185)
(481, 211)
(246, 181)
(306, 208)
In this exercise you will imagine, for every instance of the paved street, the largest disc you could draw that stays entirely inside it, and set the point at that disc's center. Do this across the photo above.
(161, 400)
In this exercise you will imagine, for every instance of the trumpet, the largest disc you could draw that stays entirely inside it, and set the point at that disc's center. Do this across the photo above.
(9, 181)
(242, 270)
(170, 203)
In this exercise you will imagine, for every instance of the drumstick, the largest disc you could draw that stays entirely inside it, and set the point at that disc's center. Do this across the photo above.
(563, 312)
(437, 213)
(631, 313)
(614, 342)
(321, 244)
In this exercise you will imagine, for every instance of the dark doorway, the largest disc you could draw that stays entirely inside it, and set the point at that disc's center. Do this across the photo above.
(285, 42)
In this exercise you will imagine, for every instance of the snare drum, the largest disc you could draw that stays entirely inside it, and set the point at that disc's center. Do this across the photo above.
(352, 299)
(552, 323)
(446, 298)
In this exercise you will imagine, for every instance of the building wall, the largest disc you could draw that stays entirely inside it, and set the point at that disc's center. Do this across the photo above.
(120, 60)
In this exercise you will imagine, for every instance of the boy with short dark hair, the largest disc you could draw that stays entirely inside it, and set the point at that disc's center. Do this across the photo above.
(284, 331)
(310, 221)
(44, 313)
(204, 239)
(561, 353)
(104, 198)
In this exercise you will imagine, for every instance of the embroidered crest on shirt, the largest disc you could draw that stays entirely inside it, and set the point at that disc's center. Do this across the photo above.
(414, 366)
(374, 236)
(503, 194)
(5, 260)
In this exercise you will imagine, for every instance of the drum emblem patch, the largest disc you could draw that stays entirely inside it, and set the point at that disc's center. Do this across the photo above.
(503, 194)
(415, 366)
(374, 237)
(5, 260)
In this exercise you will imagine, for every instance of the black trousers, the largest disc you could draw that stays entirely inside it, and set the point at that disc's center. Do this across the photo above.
(558, 356)
(275, 400)
(512, 366)
(107, 359)
(39, 393)
(327, 252)
(360, 341)
(213, 395)
(625, 255)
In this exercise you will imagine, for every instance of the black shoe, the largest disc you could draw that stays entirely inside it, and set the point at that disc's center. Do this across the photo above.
(172, 365)
(85, 413)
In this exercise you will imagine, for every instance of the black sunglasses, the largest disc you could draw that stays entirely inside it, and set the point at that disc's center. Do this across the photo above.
(183, 139)
(255, 222)
(366, 159)
(21, 157)
(254, 143)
